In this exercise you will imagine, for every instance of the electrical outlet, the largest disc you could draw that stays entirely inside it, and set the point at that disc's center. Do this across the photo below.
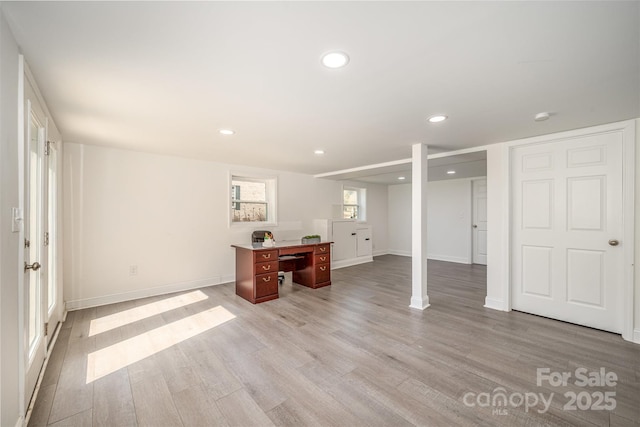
(133, 270)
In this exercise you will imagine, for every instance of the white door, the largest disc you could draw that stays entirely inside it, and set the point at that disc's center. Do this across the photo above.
(567, 220)
(479, 233)
(34, 253)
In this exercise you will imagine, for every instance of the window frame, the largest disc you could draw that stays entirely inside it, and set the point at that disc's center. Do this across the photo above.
(271, 196)
(361, 206)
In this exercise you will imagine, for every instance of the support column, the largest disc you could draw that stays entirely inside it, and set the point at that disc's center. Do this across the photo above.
(419, 298)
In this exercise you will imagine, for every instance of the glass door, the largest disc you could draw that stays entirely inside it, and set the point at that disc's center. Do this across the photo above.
(34, 298)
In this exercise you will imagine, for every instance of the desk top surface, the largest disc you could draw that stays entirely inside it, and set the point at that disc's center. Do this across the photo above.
(278, 245)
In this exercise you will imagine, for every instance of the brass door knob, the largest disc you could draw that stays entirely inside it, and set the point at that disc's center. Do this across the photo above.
(613, 242)
(35, 266)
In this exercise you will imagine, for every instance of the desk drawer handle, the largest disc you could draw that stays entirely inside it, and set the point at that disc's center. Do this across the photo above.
(266, 256)
(323, 258)
(323, 268)
(266, 279)
(266, 267)
(323, 249)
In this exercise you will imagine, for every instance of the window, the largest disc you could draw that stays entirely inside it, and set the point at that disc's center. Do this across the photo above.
(253, 200)
(353, 203)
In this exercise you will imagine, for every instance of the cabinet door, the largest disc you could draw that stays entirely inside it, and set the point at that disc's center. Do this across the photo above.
(364, 244)
(344, 240)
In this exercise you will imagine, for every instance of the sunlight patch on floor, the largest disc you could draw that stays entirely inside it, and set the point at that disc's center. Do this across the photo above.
(103, 362)
(116, 320)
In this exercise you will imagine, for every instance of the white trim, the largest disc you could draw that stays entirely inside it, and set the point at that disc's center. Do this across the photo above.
(628, 225)
(20, 422)
(636, 336)
(378, 253)
(271, 182)
(349, 262)
(494, 304)
(418, 303)
(447, 258)
(363, 168)
(144, 293)
(22, 367)
(398, 252)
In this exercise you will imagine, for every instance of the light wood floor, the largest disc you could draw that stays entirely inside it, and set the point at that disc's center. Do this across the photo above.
(352, 354)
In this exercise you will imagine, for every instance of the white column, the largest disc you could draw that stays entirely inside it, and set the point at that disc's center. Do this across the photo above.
(498, 292)
(419, 298)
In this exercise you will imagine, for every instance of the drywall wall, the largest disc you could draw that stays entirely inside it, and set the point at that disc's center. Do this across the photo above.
(399, 228)
(376, 213)
(166, 218)
(448, 220)
(10, 407)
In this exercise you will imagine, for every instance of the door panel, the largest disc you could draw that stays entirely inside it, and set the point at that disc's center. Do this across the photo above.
(35, 262)
(567, 205)
(479, 234)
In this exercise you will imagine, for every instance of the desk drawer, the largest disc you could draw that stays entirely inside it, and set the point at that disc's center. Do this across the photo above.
(266, 256)
(323, 273)
(266, 284)
(267, 267)
(323, 259)
(323, 249)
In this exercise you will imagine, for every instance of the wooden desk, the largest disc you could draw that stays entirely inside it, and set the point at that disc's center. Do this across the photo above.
(257, 268)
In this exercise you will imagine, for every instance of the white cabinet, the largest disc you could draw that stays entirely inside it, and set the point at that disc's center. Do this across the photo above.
(364, 246)
(352, 241)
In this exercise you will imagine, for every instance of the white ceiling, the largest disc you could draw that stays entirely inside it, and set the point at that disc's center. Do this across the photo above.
(165, 76)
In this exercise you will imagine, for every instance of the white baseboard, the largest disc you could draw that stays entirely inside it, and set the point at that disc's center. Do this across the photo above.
(144, 293)
(399, 252)
(419, 303)
(494, 303)
(636, 336)
(447, 258)
(378, 253)
(459, 260)
(349, 262)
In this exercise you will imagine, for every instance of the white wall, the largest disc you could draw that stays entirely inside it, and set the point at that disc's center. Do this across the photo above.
(376, 212)
(169, 217)
(400, 219)
(448, 220)
(9, 242)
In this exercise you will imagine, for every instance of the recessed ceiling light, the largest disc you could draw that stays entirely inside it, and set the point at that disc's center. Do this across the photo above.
(451, 172)
(401, 178)
(541, 117)
(335, 59)
(226, 131)
(318, 152)
(437, 118)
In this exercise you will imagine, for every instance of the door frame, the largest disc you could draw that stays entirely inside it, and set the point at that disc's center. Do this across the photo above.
(628, 130)
(473, 213)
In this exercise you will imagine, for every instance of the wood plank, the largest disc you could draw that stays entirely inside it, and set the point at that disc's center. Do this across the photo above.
(349, 354)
